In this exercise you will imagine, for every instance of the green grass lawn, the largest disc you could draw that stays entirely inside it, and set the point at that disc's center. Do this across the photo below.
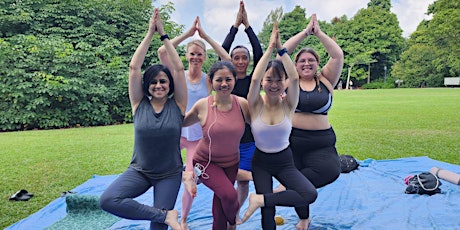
(378, 124)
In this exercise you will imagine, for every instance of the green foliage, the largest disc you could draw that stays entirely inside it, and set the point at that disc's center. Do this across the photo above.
(274, 16)
(65, 63)
(378, 85)
(384, 4)
(372, 36)
(433, 48)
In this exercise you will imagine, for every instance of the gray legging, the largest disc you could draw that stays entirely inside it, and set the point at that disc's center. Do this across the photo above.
(118, 197)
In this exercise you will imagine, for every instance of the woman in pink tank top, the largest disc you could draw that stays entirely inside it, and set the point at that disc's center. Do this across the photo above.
(222, 118)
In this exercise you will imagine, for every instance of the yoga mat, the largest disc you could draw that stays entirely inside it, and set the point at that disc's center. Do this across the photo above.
(84, 212)
(371, 197)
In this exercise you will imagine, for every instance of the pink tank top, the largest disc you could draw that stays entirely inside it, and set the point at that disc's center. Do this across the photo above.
(225, 129)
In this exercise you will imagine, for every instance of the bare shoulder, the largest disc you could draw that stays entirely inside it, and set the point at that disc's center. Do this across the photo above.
(242, 101)
(327, 83)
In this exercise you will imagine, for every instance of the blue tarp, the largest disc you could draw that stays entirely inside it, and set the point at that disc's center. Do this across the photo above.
(371, 197)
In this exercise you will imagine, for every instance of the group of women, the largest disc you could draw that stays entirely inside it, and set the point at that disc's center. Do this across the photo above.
(235, 133)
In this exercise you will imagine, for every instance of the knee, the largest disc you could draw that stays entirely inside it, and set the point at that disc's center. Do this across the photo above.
(243, 184)
(106, 201)
(230, 197)
(309, 196)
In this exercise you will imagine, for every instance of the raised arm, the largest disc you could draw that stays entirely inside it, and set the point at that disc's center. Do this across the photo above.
(163, 55)
(292, 95)
(135, 89)
(254, 98)
(224, 56)
(176, 67)
(255, 43)
(233, 30)
(333, 68)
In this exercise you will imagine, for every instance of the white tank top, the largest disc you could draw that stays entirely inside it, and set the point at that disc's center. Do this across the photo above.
(271, 138)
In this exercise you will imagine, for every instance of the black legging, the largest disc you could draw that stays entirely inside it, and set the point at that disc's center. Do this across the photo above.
(315, 155)
(299, 191)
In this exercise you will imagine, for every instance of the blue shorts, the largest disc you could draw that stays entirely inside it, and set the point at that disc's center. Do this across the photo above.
(246, 152)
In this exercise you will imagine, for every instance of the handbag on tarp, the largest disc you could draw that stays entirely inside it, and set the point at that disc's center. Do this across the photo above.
(423, 183)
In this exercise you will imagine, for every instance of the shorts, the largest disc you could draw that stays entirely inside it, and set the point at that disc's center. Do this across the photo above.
(246, 152)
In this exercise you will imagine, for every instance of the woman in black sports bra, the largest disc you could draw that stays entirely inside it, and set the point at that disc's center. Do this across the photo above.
(312, 138)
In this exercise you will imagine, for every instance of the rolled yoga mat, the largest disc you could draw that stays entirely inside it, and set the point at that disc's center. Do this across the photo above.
(447, 175)
(84, 212)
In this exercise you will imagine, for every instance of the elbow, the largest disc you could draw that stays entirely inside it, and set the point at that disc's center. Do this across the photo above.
(179, 67)
(226, 58)
(134, 68)
(337, 54)
(161, 51)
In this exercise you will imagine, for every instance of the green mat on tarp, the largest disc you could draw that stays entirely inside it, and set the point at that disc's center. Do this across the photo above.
(84, 212)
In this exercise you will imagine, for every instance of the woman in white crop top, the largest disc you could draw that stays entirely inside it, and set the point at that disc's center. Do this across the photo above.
(271, 127)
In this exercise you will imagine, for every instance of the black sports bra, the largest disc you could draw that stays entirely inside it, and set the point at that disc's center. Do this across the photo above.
(314, 101)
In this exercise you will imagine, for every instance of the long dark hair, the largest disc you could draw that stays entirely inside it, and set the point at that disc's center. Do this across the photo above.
(221, 65)
(278, 68)
(151, 72)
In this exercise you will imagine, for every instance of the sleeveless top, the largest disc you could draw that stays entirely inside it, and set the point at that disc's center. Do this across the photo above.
(156, 140)
(314, 101)
(195, 92)
(225, 129)
(271, 138)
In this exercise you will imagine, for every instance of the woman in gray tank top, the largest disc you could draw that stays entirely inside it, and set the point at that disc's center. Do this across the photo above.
(158, 101)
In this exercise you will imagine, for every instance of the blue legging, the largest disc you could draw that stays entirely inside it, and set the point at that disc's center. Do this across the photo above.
(118, 197)
(299, 193)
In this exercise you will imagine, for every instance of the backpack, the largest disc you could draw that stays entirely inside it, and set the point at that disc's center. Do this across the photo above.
(348, 163)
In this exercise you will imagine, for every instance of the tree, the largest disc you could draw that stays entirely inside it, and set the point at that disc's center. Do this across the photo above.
(274, 16)
(372, 35)
(437, 39)
(292, 23)
(65, 63)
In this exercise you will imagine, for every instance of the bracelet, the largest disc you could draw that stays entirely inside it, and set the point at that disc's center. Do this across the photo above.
(282, 51)
(163, 37)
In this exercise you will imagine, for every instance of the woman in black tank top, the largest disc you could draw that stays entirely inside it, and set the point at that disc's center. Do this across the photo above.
(312, 138)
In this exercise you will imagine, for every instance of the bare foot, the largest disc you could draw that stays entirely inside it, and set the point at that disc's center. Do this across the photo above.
(303, 224)
(171, 220)
(238, 220)
(184, 225)
(280, 188)
(255, 201)
(189, 183)
(231, 227)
